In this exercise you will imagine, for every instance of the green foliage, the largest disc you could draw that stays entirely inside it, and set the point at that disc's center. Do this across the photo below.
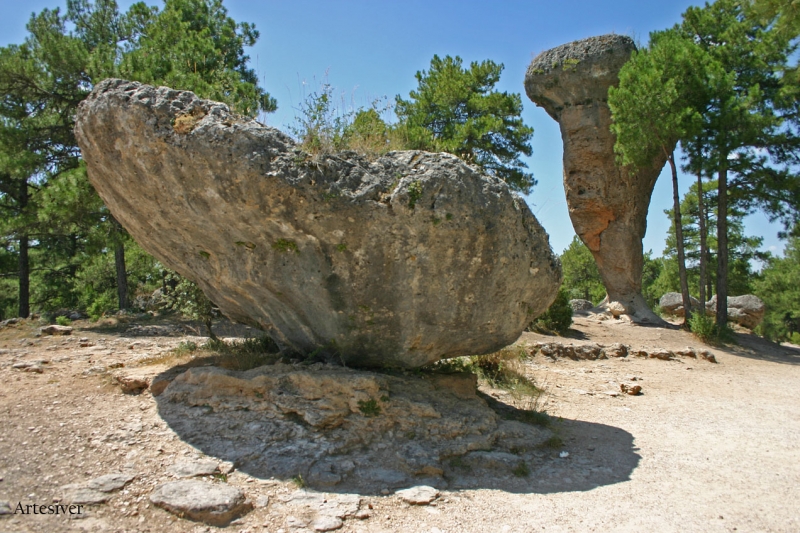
(285, 245)
(55, 235)
(194, 45)
(703, 327)
(553, 442)
(742, 249)
(657, 101)
(521, 470)
(369, 407)
(505, 370)
(581, 277)
(779, 287)
(414, 193)
(188, 299)
(707, 330)
(244, 354)
(457, 110)
(63, 321)
(324, 126)
(558, 316)
(320, 126)
(185, 348)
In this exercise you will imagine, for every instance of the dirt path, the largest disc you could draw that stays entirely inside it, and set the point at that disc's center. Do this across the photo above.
(705, 448)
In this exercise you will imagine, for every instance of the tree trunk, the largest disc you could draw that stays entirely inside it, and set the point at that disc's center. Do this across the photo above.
(687, 303)
(722, 249)
(208, 321)
(119, 264)
(24, 261)
(122, 275)
(701, 222)
(24, 278)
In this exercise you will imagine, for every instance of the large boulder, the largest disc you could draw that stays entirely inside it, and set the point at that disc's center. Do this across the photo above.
(607, 204)
(399, 261)
(672, 304)
(747, 310)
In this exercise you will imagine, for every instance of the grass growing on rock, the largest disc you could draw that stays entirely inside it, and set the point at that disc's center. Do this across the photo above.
(245, 354)
(504, 370)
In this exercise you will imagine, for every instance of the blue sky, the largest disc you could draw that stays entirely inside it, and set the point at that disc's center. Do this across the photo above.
(372, 49)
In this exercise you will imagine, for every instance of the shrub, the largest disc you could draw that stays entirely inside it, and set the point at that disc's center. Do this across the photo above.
(63, 321)
(705, 328)
(558, 316)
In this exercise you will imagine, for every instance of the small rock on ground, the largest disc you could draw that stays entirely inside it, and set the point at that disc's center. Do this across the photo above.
(55, 329)
(80, 494)
(326, 523)
(215, 504)
(194, 468)
(421, 495)
(109, 482)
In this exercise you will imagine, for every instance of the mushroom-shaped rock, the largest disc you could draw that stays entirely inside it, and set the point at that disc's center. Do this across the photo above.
(399, 261)
(607, 204)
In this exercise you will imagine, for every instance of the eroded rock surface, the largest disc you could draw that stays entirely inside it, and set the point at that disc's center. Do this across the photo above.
(746, 310)
(216, 504)
(607, 204)
(672, 304)
(341, 429)
(400, 261)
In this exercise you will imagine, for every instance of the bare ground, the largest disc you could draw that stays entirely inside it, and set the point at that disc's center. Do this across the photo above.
(706, 447)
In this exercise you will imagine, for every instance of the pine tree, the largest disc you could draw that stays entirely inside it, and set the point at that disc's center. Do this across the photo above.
(457, 110)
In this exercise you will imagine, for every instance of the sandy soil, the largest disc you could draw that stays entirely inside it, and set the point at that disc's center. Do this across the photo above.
(706, 447)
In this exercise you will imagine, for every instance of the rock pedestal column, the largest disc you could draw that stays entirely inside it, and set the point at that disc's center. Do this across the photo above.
(607, 204)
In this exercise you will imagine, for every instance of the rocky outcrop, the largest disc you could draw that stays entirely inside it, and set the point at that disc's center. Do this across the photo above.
(607, 204)
(400, 261)
(592, 351)
(747, 310)
(672, 304)
(342, 428)
(579, 304)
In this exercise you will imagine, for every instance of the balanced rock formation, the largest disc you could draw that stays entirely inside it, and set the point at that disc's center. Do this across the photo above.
(607, 204)
(400, 261)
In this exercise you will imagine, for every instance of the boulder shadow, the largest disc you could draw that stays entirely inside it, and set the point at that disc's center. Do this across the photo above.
(568, 456)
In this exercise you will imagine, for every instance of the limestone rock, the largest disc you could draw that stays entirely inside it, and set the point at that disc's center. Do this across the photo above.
(663, 354)
(672, 304)
(130, 384)
(747, 310)
(96, 490)
(337, 427)
(214, 504)
(400, 261)
(616, 350)
(194, 468)
(109, 482)
(326, 523)
(607, 205)
(420, 495)
(616, 309)
(82, 495)
(55, 329)
(579, 304)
